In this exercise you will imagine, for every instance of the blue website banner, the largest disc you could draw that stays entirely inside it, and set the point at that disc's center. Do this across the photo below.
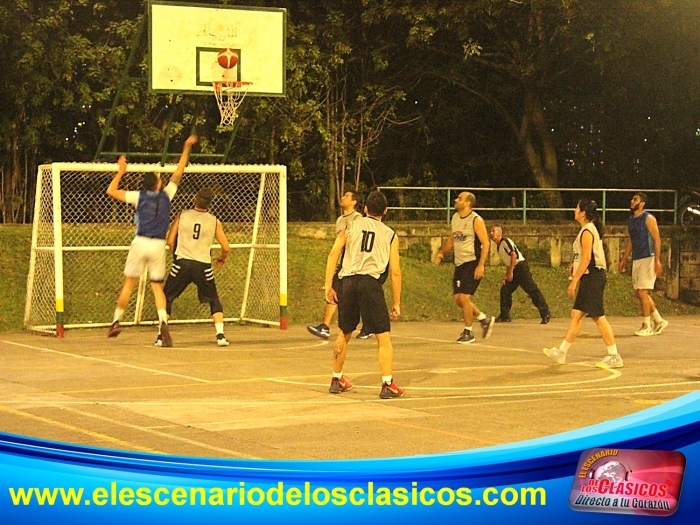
(525, 482)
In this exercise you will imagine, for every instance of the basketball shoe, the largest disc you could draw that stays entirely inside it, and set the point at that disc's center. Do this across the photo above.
(555, 353)
(466, 337)
(114, 330)
(611, 361)
(339, 385)
(390, 391)
(660, 327)
(165, 332)
(645, 331)
(487, 326)
(321, 330)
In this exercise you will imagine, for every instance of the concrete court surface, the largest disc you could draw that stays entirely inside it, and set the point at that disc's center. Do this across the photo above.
(266, 395)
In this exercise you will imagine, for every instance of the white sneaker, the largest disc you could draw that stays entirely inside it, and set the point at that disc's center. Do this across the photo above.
(555, 353)
(645, 331)
(221, 340)
(611, 361)
(660, 327)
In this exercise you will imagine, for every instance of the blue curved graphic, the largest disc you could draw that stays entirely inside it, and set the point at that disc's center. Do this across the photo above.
(491, 485)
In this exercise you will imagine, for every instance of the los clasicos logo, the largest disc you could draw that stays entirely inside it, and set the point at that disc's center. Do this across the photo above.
(622, 481)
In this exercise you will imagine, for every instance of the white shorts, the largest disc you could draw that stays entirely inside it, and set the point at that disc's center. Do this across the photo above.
(146, 253)
(643, 274)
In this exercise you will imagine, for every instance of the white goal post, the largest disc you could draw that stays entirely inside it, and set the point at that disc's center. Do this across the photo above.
(80, 239)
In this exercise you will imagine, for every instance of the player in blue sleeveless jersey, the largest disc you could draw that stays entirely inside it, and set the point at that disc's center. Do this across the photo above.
(148, 247)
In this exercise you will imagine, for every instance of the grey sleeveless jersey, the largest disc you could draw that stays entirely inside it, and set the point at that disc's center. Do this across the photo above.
(195, 235)
(367, 248)
(344, 220)
(464, 238)
(598, 257)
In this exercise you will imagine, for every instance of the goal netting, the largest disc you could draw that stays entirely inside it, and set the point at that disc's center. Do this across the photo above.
(81, 236)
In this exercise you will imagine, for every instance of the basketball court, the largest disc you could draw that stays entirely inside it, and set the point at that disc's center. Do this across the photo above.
(266, 396)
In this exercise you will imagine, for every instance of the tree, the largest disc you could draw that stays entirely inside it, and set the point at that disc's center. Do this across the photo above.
(521, 57)
(61, 58)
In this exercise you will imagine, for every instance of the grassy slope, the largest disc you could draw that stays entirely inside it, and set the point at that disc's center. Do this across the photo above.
(15, 245)
(426, 290)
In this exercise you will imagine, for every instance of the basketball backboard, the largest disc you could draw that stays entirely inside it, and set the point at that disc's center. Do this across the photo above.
(185, 39)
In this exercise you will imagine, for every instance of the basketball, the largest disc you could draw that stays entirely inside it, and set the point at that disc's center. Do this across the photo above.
(227, 58)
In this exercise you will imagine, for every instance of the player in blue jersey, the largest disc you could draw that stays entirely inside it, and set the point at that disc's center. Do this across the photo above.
(148, 247)
(644, 243)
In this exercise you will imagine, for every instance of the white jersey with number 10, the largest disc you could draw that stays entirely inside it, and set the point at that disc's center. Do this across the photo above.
(367, 248)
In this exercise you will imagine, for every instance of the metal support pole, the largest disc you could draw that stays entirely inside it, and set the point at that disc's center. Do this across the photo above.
(449, 208)
(604, 205)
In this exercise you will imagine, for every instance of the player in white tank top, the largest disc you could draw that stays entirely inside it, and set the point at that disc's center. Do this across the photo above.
(348, 207)
(470, 243)
(190, 238)
(588, 276)
(369, 247)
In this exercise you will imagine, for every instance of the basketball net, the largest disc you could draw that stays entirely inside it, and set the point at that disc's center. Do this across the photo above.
(229, 96)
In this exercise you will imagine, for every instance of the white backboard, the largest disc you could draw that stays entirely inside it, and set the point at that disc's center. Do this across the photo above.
(185, 39)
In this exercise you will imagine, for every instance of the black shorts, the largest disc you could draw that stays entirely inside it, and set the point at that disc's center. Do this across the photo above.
(185, 271)
(463, 280)
(590, 293)
(362, 296)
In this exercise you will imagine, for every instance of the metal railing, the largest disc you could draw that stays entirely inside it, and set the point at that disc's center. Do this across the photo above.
(427, 198)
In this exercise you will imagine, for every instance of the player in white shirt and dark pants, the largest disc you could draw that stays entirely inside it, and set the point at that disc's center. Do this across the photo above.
(517, 274)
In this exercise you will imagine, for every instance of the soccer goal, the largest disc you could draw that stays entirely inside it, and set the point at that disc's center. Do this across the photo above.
(80, 240)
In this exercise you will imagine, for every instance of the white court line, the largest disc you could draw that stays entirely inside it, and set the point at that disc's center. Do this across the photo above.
(238, 346)
(614, 374)
(163, 434)
(338, 399)
(511, 401)
(108, 361)
(481, 345)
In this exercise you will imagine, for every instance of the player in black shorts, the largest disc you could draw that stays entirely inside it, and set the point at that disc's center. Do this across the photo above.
(370, 247)
(588, 274)
(470, 244)
(190, 239)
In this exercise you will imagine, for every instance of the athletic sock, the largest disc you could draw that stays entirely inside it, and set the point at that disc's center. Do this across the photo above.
(118, 312)
(564, 346)
(338, 375)
(646, 322)
(387, 379)
(162, 316)
(468, 328)
(612, 349)
(656, 316)
(219, 328)
(481, 316)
